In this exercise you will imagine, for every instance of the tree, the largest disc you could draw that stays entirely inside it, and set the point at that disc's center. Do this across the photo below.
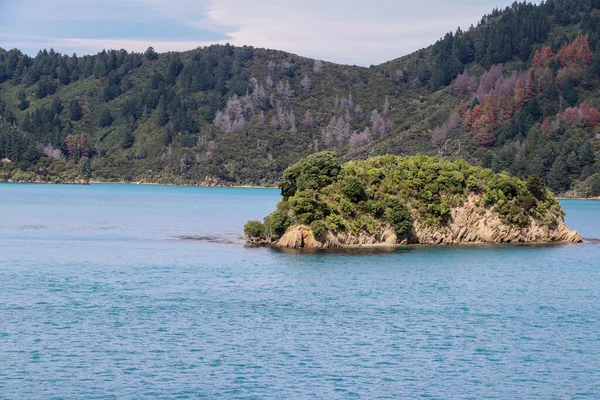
(380, 125)
(85, 166)
(596, 62)
(106, 119)
(352, 188)
(45, 87)
(78, 146)
(585, 154)
(558, 176)
(54, 153)
(127, 139)
(56, 106)
(577, 51)
(63, 75)
(398, 215)
(75, 111)
(308, 119)
(150, 54)
(437, 79)
(254, 230)
(284, 90)
(313, 172)
(232, 117)
(536, 187)
(23, 103)
(336, 132)
(277, 223)
(465, 84)
(318, 67)
(306, 84)
(542, 57)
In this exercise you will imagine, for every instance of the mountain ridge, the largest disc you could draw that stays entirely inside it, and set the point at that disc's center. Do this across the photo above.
(240, 115)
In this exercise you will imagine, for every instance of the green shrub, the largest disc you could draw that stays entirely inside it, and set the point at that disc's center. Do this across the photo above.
(347, 208)
(398, 215)
(306, 207)
(439, 212)
(353, 189)
(376, 208)
(537, 187)
(277, 223)
(318, 228)
(254, 230)
(335, 223)
(312, 173)
(283, 206)
(473, 184)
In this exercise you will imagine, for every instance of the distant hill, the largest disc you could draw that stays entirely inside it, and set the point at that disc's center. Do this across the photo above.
(518, 92)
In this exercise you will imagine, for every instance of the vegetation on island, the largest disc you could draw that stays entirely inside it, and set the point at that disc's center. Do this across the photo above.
(517, 92)
(368, 195)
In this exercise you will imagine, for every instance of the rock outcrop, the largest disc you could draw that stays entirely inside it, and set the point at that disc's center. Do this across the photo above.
(470, 224)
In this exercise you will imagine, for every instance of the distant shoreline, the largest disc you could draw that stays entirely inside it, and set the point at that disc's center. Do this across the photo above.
(579, 198)
(184, 185)
(93, 182)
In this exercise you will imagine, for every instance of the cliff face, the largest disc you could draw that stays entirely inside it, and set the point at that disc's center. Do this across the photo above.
(470, 223)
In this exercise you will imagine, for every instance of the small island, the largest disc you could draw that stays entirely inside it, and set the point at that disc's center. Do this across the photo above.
(392, 200)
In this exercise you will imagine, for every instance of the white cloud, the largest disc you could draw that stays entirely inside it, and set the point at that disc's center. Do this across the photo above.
(351, 31)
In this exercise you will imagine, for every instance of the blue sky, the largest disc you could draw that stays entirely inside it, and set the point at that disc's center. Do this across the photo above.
(346, 31)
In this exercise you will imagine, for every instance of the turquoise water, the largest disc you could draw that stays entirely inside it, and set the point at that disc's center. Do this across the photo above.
(104, 294)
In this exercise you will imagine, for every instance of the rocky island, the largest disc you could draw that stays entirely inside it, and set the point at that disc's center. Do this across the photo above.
(392, 200)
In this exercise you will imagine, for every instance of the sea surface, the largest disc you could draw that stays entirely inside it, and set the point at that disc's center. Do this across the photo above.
(112, 291)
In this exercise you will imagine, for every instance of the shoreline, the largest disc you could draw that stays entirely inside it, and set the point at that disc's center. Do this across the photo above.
(94, 182)
(389, 246)
(579, 198)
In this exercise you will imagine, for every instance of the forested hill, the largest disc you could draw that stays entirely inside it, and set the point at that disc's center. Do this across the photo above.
(517, 92)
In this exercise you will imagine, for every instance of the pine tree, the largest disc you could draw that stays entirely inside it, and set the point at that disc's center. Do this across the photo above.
(127, 139)
(106, 119)
(23, 103)
(75, 111)
(150, 54)
(558, 176)
(85, 166)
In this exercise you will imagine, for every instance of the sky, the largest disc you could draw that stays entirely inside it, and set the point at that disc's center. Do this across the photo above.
(345, 31)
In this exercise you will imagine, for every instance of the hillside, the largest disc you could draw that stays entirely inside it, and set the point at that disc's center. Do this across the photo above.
(519, 92)
(389, 200)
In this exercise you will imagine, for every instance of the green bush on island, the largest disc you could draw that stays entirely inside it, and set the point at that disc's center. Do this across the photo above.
(353, 189)
(398, 216)
(277, 223)
(312, 173)
(254, 229)
(318, 228)
(394, 191)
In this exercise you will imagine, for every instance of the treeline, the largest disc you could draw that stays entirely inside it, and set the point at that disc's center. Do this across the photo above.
(49, 67)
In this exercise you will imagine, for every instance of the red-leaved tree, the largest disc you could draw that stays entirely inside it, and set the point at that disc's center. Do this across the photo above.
(576, 52)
